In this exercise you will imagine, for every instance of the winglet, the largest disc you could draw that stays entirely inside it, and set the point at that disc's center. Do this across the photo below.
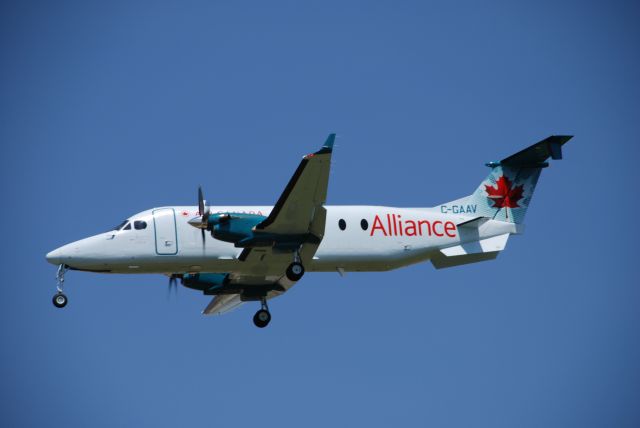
(327, 147)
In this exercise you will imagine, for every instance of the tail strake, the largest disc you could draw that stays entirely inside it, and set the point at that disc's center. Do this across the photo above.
(506, 192)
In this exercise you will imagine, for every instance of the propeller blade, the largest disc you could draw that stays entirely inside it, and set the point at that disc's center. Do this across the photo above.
(201, 223)
(204, 212)
(173, 284)
(200, 201)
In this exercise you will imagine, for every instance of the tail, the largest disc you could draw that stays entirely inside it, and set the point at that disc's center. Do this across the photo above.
(506, 192)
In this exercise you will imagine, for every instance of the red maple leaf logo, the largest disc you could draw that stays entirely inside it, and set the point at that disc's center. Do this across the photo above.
(503, 195)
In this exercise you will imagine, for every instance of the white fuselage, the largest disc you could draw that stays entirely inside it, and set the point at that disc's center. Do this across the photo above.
(374, 238)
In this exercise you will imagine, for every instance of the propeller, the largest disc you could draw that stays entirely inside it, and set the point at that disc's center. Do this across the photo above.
(173, 283)
(201, 223)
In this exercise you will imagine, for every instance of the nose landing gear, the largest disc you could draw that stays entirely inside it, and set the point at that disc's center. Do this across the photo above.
(59, 299)
(263, 316)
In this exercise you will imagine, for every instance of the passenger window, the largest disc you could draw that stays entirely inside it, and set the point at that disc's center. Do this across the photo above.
(127, 227)
(139, 224)
(342, 224)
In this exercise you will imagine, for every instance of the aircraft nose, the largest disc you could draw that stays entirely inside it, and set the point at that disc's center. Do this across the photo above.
(85, 253)
(57, 256)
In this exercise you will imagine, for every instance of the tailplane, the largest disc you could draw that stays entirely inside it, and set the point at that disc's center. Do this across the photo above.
(506, 192)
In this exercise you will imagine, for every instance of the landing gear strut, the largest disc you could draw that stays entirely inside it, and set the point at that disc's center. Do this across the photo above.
(295, 271)
(263, 316)
(59, 299)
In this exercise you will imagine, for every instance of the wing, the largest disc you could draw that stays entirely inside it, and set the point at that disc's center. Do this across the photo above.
(301, 202)
(222, 304)
(262, 276)
(238, 289)
(296, 223)
(298, 218)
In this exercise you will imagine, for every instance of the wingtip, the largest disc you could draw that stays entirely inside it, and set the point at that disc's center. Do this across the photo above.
(563, 138)
(330, 140)
(327, 147)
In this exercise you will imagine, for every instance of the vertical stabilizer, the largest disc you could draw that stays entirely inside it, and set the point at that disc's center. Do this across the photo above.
(507, 191)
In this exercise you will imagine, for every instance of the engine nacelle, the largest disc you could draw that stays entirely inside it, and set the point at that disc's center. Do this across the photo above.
(233, 228)
(204, 281)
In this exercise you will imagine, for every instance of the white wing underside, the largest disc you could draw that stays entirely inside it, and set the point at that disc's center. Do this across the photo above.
(222, 304)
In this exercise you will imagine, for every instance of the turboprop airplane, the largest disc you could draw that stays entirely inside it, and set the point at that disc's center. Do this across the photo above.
(255, 253)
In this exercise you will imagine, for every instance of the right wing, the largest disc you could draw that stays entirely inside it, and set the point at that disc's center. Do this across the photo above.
(222, 304)
(233, 289)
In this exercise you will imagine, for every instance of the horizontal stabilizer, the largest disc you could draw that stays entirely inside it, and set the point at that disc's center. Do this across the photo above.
(496, 243)
(539, 152)
(440, 261)
(474, 223)
(470, 252)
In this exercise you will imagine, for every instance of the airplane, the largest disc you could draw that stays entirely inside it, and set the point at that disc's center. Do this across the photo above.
(240, 254)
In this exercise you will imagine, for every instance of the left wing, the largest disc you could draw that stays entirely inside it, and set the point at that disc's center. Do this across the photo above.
(296, 223)
(298, 218)
(302, 200)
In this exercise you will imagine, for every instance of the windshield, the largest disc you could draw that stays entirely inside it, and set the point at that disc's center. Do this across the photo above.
(121, 225)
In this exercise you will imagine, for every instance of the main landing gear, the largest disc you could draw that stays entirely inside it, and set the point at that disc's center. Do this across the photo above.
(263, 316)
(295, 271)
(59, 299)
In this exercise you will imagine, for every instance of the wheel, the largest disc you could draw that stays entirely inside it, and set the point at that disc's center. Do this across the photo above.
(60, 300)
(295, 271)
(261, 318)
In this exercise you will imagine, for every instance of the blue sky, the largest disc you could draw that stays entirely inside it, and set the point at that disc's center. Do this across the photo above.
(110, 108)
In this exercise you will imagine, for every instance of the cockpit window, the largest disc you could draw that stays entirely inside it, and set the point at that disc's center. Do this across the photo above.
(127, 227)
(140, 224)
(121, 225)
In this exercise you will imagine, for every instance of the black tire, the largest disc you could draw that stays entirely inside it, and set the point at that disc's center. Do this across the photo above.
(261, 318)
(295, 271)
(60, 300)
